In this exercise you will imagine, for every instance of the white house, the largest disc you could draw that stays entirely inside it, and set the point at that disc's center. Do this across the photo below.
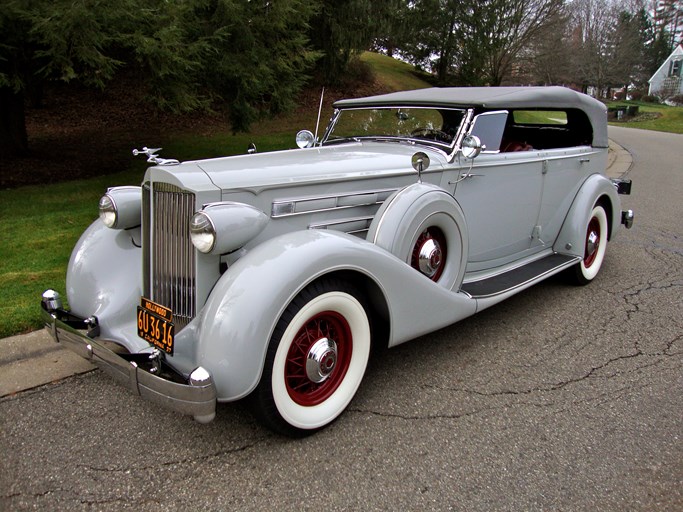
(668, 81)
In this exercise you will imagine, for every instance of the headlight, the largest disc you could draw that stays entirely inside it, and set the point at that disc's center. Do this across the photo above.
(202, 232)
(220, 228)
(108, 211)
(120, 207)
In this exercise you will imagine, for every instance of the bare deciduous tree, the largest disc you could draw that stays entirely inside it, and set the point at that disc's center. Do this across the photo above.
(477, 43)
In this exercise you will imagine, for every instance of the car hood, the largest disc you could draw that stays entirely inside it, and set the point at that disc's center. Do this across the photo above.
(355, 160)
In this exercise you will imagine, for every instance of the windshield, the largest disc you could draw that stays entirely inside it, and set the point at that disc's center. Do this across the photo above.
(435, 126)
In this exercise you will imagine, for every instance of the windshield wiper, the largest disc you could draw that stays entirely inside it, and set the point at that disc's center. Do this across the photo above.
(337, 140)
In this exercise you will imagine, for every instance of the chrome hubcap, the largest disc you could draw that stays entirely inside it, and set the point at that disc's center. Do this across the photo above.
(591, 243)
(321, 360)
(430, 257)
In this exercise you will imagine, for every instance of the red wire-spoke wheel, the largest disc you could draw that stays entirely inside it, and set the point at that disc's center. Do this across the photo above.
(595, 245)
(592, 242)
(429, 253)
(316, 359)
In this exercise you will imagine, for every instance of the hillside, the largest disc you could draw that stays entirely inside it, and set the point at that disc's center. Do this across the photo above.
(80, 132)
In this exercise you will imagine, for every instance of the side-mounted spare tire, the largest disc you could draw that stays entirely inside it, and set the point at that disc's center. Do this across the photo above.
(424, 226)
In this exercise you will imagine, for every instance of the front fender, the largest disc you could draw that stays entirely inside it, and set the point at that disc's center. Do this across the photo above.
(104, 279)
(571, 239)
(237, 322)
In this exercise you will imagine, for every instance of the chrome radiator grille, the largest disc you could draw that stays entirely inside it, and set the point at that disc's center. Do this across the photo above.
(168, 253)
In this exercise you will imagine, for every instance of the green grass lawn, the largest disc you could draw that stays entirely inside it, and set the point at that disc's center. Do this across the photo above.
(668, 119)
(39, 225)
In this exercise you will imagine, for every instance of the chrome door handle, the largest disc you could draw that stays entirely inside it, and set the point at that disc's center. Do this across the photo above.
(464, 177)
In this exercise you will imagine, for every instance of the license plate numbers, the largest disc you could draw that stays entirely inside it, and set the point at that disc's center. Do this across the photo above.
(155, 325)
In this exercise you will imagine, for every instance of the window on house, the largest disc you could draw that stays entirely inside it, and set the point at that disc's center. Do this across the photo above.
(675, 68)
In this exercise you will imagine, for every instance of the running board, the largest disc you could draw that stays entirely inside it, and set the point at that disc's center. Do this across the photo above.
(520, 276)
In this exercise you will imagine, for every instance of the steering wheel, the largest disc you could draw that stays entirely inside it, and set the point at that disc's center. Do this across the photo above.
(430, 133)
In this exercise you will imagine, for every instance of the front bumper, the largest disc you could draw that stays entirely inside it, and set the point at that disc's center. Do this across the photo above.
(143, 374)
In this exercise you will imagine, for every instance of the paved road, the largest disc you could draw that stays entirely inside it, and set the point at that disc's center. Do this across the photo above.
(561, 398)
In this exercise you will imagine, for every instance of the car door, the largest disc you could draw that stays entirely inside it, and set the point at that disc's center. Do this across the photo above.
(500, 194)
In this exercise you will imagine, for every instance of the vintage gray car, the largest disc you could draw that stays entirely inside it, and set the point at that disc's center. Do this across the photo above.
(271, 276)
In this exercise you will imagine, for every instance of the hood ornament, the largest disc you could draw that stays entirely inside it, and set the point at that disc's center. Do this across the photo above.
(153, 158)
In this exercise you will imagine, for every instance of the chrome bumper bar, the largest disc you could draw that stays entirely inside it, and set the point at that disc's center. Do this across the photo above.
(195, 396)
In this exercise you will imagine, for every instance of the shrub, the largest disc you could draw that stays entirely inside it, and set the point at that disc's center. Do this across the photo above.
(677, 100)
(636, 95)
(649, 98)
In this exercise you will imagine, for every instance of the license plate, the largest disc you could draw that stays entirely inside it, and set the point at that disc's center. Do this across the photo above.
(155, 325)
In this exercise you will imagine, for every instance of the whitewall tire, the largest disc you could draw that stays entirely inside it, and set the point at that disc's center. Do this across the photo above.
(595, 246)
(316, 359)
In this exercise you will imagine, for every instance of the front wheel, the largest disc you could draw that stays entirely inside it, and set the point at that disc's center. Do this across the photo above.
(595, 246)
(316, 359)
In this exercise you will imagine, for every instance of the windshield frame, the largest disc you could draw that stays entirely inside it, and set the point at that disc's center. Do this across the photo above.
(447, 148)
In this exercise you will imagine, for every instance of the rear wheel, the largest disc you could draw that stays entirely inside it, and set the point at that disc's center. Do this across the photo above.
(316, 359)
(595, 245)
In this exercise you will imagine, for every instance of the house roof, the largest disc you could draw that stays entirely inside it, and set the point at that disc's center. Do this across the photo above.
(495, 98)
(677, 51)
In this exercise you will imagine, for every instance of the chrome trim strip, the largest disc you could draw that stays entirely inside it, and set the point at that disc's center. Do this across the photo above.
(197, 400)
(349, 220)
(288, 207)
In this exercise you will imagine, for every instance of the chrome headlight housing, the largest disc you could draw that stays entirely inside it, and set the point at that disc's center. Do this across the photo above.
(221, 228)
(121, 207)
(202, 232)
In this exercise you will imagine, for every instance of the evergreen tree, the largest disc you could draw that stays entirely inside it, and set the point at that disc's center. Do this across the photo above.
(626, 51)
(252, 55)
(342, 29)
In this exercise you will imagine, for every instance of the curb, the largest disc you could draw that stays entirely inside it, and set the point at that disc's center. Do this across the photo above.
(31, 360)
(619, 161)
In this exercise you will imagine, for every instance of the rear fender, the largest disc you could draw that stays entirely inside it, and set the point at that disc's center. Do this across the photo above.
(597, 187)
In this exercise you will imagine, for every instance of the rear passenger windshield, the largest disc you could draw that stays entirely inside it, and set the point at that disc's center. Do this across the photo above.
(548, 117)
(528, 130)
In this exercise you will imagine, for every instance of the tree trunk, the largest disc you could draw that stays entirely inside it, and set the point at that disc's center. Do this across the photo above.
(13, 137)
